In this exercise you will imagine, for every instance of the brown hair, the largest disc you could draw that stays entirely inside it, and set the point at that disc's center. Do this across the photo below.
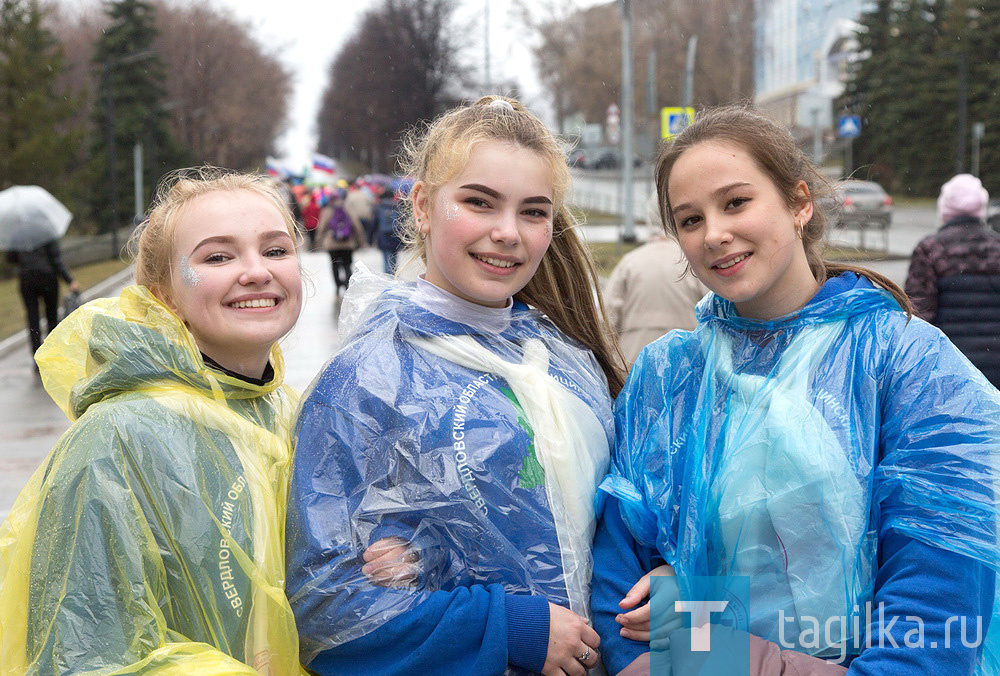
(778, 155)
(565, 287)
(152, 245)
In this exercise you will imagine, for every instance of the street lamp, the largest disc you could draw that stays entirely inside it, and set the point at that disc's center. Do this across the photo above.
(626, 107)
(109, 66)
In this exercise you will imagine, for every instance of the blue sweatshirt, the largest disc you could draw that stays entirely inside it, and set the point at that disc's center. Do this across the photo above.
(393, 440)
(902, 415)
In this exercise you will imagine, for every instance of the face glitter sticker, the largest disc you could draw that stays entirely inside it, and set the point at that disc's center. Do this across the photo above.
(450, 211)
(190, 277)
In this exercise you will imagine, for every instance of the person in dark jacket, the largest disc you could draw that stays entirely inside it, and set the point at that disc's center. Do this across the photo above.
(954, 276)
(39, 271)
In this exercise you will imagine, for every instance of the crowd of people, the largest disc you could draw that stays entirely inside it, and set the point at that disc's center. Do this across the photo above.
(477, 482)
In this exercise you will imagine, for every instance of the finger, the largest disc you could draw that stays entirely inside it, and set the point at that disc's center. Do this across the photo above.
(394, 555)
(380, 547)
(590, 637)
(637, 593)
(636, 619)
(592, 659)
(640, 635)
(389, 569)
(395, 577)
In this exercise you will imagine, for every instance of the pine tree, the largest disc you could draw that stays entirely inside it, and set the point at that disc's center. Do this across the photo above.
(908, 89)
(129, 109)
(37, 144)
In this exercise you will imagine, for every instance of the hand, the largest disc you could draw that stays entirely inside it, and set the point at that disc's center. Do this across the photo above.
(74, 286)
(636, 624)
(391, 562)
(570, 637)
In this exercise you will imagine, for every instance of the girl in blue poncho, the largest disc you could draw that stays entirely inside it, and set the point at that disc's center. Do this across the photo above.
(810, 454)
(448, 457)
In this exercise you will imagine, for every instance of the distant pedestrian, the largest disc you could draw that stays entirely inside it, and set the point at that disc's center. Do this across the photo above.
(954, 277)
(38, 273)
(311, 208)
(340, 235)
(387, 227)
(651, 291)
(359, 204)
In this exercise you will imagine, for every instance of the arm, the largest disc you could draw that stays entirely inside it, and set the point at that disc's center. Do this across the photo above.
(55, 257)
(619, 562)
(336, 513)
(921, 282)
(615, 294)
(938, 441)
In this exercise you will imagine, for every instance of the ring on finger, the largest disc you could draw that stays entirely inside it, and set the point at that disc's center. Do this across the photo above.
(585, 656)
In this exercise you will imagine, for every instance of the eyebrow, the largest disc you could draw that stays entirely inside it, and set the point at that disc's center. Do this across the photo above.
(540, 199)
(715, 193)
(226, 239)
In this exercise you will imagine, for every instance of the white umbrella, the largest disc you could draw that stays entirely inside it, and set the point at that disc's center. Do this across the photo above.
(30, 217)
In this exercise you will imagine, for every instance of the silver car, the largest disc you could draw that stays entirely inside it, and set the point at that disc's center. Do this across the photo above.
(861, 205)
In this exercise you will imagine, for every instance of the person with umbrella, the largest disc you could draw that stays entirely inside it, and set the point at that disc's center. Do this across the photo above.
(31, 223)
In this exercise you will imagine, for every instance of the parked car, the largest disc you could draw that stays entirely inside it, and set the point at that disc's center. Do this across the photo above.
(993, 215)
(609, 158)
(577, 158)
(861, 204)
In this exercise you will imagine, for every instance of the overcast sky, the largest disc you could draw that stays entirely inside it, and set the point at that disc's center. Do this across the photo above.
(309, 33)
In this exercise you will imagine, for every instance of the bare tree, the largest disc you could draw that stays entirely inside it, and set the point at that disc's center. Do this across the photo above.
(578, 52)
(228, 97)
(398, 68)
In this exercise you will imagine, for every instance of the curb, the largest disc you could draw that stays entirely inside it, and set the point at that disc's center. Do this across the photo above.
(20, 339)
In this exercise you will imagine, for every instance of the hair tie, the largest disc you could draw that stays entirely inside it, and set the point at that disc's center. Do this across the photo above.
(500, 103)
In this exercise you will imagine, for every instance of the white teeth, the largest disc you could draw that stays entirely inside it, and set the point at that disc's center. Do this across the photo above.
(723, 266)
(259, 302)
(495, 261)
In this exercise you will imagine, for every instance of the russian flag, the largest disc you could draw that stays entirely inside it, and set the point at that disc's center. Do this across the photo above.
(324, 164)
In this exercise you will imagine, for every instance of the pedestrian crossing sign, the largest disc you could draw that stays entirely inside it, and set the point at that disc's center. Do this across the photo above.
(675, 120)
(849, 126)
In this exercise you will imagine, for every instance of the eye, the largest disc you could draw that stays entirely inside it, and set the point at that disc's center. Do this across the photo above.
(687, 223)
(216, 258)
(276, 252)
(737, 202)
(477, 202)
(536, 213)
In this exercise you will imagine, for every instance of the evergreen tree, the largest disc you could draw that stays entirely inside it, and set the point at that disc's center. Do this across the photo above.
(37, 144)
(129, 109)
(907, 87)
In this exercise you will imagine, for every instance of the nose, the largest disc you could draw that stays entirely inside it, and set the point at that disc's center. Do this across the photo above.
(505, 230)
(256, 271)
(717, 233)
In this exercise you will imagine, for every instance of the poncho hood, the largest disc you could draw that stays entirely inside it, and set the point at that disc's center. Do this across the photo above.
(124, 344)
(840, 298)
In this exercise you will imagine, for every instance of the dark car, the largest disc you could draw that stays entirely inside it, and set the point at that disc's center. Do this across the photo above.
(861, 204)
(993, 215)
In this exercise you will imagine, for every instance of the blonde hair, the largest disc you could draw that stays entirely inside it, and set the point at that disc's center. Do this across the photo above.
(777, 154)
(565, 287)
(152, 244)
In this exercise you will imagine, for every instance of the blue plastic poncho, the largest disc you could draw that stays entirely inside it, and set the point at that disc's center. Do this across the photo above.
(780, 452)
(477, 435)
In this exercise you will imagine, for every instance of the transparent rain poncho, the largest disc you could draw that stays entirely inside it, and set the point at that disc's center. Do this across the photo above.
(150, 541)
(478, 435)
(778, 452)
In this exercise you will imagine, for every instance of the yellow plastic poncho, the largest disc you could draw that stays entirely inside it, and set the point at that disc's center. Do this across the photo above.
(150, 541)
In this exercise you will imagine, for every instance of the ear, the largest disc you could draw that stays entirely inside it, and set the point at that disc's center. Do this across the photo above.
(163, 295)
(803, 210)
(421, 206)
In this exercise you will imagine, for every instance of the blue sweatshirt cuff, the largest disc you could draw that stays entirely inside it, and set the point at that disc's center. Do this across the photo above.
(527, 631)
